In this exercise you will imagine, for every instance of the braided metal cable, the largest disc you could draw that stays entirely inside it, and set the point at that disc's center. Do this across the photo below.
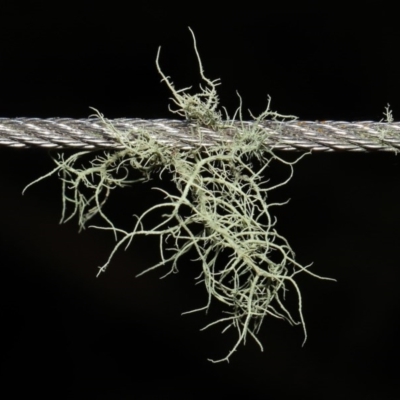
(321, 136)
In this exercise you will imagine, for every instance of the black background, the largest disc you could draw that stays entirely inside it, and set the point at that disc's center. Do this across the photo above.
(66, 334)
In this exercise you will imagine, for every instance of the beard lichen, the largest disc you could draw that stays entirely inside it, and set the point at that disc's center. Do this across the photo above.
(221, 207)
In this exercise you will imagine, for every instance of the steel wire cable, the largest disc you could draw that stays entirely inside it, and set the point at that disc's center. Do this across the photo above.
(93, 133)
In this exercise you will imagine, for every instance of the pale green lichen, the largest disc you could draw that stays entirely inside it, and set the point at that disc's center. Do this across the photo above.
(385, 132)
(221, 207)
(388, 132)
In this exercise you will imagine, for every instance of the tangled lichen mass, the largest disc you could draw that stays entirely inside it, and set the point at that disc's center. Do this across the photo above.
(224, 197)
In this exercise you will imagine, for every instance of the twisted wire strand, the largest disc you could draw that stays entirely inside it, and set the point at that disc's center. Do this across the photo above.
(93, 133)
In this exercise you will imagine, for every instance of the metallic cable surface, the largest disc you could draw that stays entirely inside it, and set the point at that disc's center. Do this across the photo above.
(92, 133)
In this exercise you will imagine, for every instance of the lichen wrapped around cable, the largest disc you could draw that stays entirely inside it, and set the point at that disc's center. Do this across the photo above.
(221, 208)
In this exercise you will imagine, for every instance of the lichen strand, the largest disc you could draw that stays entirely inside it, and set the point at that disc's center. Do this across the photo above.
(221, 190)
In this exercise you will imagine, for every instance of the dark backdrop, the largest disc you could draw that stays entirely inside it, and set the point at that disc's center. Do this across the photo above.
(66, 334)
